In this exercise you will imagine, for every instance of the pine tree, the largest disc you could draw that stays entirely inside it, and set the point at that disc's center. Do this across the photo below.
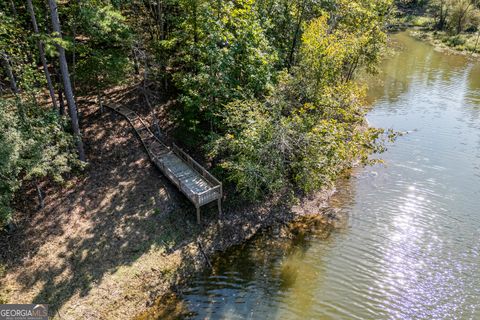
(41, 49)
(66, 81)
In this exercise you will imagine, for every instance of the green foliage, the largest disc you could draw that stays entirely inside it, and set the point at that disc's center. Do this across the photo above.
(411, 3)
(103, 24)
(455, 41)
(100, 70)
(103, 59)
(33, 145)
(422, 21)
(311, 127)
(10, 35)
(329, 148)
(284, 21)
(268, 84)
(14, 45)
(33, 142)
(252, 151)
(223, 56)
(269, 146)
(455, 16)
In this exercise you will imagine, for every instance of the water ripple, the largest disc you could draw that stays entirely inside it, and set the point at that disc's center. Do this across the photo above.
(410, 248)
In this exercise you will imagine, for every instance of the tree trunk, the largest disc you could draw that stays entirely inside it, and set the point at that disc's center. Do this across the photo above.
(74, 58)
(476, 42)
(156, 126)
(74, 51)
(99, 99)
(61, 102)
(161, 18)
(195, 24)
(41, 49)
(67, 86)
(461, 19)
(442, 21)
(441, 18)
(295, 37)
(14, 8)
(135, 60)
(459, 24)
(8, 70)
(41, 200)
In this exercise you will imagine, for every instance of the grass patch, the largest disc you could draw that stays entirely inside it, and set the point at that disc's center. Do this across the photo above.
(421, 21)
(3, 271)
(411, 20)
(3, 291)
(3, 297)
(464, 42)
(455, 42)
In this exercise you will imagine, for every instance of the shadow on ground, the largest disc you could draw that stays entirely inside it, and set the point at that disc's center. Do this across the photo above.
(104, 245)
(120, 208)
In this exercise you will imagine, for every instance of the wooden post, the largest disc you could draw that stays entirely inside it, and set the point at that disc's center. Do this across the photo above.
(219, 208)
(198, 215)
(220, 201)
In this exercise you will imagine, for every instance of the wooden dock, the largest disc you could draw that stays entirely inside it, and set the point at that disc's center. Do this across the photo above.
(196, 183)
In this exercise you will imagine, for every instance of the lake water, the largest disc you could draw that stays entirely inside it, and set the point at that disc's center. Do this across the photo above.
(407, 243)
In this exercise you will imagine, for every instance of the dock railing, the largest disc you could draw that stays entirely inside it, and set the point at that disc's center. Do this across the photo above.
(156, 149)
(195, 165)
(207, 196)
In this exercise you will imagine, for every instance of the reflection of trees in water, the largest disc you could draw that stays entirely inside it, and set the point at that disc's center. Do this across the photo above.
(263, 255)
(256, 274)
(272, 264)
(472, 107)
(416, 63)
(474, 79)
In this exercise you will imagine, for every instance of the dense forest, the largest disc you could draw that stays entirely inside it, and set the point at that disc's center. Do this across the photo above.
(455, 23)
(454, 16)
(264, 89)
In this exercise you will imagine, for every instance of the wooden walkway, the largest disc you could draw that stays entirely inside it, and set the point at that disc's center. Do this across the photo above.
(196, 183)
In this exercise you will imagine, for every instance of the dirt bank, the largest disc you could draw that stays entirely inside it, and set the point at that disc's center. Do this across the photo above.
(468, 44)
(115, 239)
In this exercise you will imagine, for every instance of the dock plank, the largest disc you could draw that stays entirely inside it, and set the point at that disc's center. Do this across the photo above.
(199, 186)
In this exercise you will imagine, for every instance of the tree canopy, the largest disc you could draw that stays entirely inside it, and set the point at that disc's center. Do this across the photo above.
(267, 86)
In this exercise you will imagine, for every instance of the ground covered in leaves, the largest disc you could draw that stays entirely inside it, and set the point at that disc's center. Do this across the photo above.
(118, 237)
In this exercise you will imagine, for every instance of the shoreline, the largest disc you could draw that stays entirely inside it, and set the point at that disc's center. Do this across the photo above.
(154, 292)
(428, 36)
(118, 238)
(211, 244)
(418, 26)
